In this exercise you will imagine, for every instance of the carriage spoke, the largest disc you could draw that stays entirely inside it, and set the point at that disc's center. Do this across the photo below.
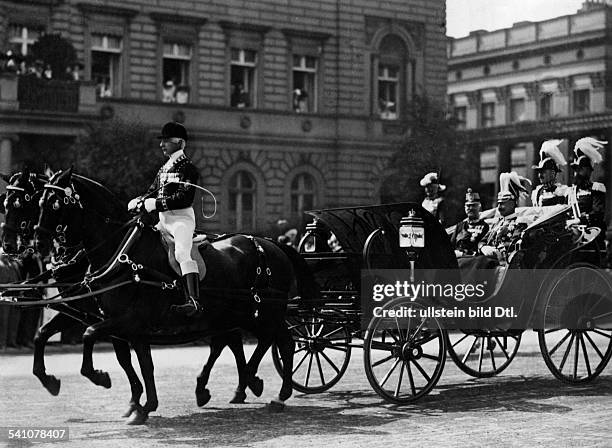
(502, 349)
(586, 356)
(594, 345)
(418, 329)
(300, 363)
(337, 347)
(601, 333)
(460, 340)
(390, 334)
(552, 352)
(382, 361)
(491, 352)
(601, 316)
(327, 335)
(431, 337)
(320, 368)
(480, 355)
(399, 330)
(331, 363)
(428, 356)
(595, 305)
(576, 355)
(386, 377)
(469, 350)
(412, 388)
(567, 351)
(420, 369)
(297, 330)
(401, 377)
(309, 369)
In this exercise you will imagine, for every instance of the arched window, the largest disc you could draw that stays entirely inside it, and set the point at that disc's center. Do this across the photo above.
(303, 193)
(242, 193)
(390, 76)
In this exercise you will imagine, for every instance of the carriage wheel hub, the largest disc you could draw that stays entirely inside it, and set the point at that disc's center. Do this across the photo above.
(410, 352)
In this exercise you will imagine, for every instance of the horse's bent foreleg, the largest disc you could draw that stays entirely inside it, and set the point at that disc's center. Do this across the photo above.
(58, 323)
(122, 352)
(143, 351)
(253, 381)
(234, 342)
(286, 347)
(217, 344)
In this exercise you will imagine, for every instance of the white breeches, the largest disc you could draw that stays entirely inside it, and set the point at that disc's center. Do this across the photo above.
(181, 224)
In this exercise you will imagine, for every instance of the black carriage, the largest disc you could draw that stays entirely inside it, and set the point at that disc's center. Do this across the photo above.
(569, 306)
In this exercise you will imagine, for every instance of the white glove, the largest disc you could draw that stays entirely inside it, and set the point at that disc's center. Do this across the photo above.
(488, 251)
(458, 253)
(149, 204)
(133, 204)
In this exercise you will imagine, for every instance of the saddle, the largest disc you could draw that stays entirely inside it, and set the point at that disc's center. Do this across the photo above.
(198, 240)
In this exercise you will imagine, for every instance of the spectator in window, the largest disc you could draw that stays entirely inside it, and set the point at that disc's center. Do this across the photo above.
(47, 73)
(169, 92)
(182, 94)
(239, 98)
(300, 100)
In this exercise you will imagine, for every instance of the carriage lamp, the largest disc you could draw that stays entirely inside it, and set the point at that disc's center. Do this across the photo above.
(310, 241)
(412, 238)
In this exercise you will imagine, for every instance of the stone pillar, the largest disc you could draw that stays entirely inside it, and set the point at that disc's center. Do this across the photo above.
(6, 153)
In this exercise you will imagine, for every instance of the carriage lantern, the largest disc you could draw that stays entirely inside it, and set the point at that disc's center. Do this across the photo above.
(313, 237)
(412, 238)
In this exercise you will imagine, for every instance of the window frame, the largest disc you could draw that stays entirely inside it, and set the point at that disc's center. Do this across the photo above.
(575, 93)
(491, 120)
(313, 103)
(513, 117)
(24, 40)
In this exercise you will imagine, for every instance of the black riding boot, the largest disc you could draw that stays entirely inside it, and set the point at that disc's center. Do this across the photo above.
(192, 295)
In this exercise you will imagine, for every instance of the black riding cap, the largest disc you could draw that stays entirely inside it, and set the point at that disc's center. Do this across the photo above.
(173, 129)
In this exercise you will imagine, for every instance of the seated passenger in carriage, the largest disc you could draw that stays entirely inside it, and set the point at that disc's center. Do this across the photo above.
(471, 230)
(506, 231)
(174, 193)
(549, 192)
(588, 199)
(433, 202)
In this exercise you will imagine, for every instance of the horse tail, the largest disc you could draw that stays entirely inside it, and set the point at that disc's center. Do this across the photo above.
(306, 283)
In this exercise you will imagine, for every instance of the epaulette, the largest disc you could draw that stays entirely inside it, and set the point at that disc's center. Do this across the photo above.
(598, 186)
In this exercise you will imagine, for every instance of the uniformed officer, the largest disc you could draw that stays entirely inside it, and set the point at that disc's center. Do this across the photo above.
(549, 192)
(507, 229)
(433, 202)
(588, 199)
(172, 194)
(472, 229)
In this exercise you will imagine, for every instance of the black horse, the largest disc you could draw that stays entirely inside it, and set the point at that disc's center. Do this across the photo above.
(20, 205)
(81, 212)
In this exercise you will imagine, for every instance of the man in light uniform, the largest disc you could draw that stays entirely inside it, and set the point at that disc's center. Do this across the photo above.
(549, 192)
(507, 230)
(174, 194)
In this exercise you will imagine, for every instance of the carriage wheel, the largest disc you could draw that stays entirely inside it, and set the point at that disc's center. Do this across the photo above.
(322, 352)
(482, 353)
(576, 335)
(404, 357)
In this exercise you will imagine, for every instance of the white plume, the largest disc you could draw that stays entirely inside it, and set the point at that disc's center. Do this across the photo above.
(550, 148)
(590, 147)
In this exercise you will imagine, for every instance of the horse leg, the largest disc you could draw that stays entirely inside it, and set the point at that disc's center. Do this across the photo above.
(141, 414)
(58, 323)
(286, 347)
(124, 356)
(234, 342)
(255, 383)
(217, 344)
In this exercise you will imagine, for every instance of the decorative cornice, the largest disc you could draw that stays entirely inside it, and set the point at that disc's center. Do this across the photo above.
(564, 84)
(162, 17)
(502, 93)
(235, 26)
(598, 80)
(39, 2)
(473, 98)
(314, 35)
(88, 8)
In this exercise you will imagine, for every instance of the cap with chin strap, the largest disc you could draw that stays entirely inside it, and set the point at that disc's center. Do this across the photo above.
(173, 129)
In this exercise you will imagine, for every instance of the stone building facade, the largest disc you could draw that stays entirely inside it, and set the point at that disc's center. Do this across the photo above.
(291, 104)
(511, 89)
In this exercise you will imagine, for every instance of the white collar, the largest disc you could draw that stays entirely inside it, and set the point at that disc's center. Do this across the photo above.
(174, 157)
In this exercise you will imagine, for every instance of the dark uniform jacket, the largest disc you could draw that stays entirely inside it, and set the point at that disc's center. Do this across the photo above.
(468, 234)
(175, 196)
(505, 232)
(545, 195)
(592, 203)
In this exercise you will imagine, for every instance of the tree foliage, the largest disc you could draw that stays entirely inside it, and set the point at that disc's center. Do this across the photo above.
(432, 145)
(57, 52)
(121, 155)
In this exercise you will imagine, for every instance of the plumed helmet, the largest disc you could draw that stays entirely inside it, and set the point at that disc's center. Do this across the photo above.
(173, 129)
(511, 186)
(551, 157)
(587, 152)
(432, 178)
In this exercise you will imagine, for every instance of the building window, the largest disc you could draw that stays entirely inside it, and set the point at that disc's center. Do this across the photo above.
(458, 75)
(547, 59)
(518, 159)
(545, 105)
(488, 175)
(516, 65)
(175, 72)
(105, 58)
(303, 193)
(487, 115)
(486, 70)
(304, 83)
(241, 204)
(517, 109)
(461, 116)
(22, 37)
(582, 99)
(388, 91)
(243, 67)
(580, 54)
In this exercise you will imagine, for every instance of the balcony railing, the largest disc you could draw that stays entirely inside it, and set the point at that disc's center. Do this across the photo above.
(47, 94)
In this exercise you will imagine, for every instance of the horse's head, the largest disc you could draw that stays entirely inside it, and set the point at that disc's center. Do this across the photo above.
(20, 206)
(60, 222)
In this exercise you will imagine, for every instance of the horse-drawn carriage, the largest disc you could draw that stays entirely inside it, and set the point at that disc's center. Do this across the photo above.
(553, 281)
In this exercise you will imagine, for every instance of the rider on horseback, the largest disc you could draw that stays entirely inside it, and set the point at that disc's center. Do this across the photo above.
(174, 191)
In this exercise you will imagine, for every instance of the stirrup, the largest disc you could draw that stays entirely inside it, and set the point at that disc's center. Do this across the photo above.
(188, 309)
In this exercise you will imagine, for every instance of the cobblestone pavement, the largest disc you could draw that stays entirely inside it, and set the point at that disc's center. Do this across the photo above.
(524, 406)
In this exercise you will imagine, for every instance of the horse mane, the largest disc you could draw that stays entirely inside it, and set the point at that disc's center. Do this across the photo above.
(107, 201)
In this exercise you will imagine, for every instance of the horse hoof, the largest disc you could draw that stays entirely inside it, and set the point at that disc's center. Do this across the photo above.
(256, 385)
(202, 397)
(276, 406)
(139, 417)
(53, 385)
(102, 379)
(130, 410)
(239, 397)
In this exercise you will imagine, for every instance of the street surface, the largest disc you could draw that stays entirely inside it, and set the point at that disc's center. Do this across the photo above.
(524, 407)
